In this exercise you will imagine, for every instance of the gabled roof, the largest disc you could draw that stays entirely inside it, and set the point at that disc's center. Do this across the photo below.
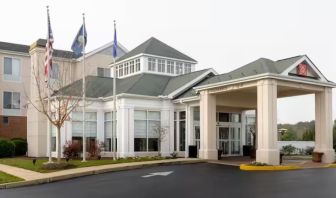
(14, 47)
(260, 66)
(156, 47)
(145, 84)
(56, 53)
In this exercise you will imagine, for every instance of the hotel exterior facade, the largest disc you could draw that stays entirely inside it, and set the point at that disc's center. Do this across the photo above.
(159, 88)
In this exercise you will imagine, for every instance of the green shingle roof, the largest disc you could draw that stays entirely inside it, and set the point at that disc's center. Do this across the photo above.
(154, 46)
(142, 84)
(260, 66)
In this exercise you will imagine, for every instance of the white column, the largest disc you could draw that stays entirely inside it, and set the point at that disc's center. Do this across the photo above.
(167, 113)
(324, 125)
(267, 151)
(208, 149)
(123, 130)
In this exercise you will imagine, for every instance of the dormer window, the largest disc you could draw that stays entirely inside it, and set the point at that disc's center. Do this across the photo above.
(161, 65)
(170, 67)
(187, 68)
(179, 68)
(131, 67)
(151, 64)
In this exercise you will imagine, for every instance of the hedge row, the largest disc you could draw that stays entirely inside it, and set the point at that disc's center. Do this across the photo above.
(14, 147)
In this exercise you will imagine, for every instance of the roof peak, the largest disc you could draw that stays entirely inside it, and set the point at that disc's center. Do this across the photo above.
(154, 46)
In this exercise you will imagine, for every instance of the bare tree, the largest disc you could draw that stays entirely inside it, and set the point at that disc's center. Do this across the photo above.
(62, 100)
(161, 132)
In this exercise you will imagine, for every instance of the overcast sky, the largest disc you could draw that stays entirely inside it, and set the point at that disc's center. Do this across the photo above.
(220, 34)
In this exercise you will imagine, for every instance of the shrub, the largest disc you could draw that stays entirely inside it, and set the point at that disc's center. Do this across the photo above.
(21, 146)
(71, 149)
(57, 166)
(173, 155)
(95, 149)
(288, 149)
(309, 150)
(7, 148)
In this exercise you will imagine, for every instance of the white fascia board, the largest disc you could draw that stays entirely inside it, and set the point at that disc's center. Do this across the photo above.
(99, 49)
(126, 95)
(191, 83)
(127, 59)
(188, 99)
(165, 57)
(265, 76)
(311, 64)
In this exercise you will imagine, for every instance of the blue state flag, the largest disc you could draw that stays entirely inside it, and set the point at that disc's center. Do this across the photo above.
(115, 44)
(80, 41)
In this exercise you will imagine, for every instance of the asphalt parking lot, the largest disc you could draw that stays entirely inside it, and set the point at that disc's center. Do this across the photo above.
(194, 180)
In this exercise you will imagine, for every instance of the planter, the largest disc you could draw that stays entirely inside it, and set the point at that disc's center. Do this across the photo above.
(247, 150)
(317, 156)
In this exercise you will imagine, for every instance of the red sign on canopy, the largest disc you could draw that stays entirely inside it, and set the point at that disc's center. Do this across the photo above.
(302, 69)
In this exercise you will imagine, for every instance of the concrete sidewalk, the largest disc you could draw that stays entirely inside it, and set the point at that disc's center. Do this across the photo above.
(33, 178)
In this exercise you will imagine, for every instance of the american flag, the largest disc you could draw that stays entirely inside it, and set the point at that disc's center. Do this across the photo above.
(49, 49)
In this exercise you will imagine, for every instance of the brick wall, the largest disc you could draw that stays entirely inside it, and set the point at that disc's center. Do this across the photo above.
(15, 128)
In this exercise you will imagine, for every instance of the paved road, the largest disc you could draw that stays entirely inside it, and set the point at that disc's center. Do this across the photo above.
(197, 180)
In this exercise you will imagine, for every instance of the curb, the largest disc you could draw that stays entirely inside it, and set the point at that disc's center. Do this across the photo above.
(93, 172)
(247, 167)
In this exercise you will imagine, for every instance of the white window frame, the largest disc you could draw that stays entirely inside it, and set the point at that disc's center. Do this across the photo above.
(12, 100)
(170, 66)
(151, 64)
(11, 77)
(162, 65)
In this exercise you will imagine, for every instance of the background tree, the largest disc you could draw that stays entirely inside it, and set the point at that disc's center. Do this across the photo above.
(61, 101)
(309, 135)
(289, 135)
(161, 133)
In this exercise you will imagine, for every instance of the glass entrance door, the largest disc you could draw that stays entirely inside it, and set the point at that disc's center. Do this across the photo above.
(229, 139)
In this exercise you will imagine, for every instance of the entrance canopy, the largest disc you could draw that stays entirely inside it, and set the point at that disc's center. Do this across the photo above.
(257, 85)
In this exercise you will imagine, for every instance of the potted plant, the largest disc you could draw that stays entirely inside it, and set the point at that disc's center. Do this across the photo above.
(317, 156)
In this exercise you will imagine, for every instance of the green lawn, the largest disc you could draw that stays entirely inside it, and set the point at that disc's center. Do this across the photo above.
(6, 178)
(26, 163)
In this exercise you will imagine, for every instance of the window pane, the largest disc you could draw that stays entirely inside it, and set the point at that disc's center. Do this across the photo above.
(182, 115)
(77, 116)
(8, 66)
(15, 69)
(154, 115)
(91, 116)
(154, 128)
(100, 72)
(16, 100)
(140, 144)
(182, 135)
(55, 71)
(196, 114)
(153, 144)
(140, 128)
(223, 117)
(140, 115)
(7, 100)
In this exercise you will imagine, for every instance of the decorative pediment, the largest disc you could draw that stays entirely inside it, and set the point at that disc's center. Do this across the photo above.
(304, 68)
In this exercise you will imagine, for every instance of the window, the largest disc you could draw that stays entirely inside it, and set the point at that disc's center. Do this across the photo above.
(5, 120)
(11, 100)
(170, 67)
(126, 69)
(145, 130)
(120, 70)
(108, 129)
(12, 69)
(131, 67)
(179, 68)
(151, 64)
(182, 122)
(90, 124)
(137, 65)
(187, 68)
(104, 72)
(223, 117)
(55, 71)
(161, 65)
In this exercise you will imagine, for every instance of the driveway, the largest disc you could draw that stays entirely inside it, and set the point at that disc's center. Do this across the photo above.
(193, 180)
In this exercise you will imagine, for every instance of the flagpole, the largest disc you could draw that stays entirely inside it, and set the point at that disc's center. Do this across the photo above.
(114, 102)
(48, 123)
(84, 138)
